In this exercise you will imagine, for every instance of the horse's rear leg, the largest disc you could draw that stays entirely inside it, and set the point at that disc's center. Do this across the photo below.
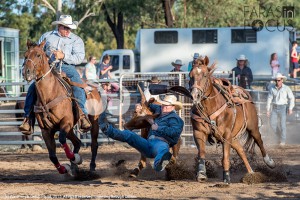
(51, 146)
(257, 138)
(253, 130)
(94, 143)
(142, 163)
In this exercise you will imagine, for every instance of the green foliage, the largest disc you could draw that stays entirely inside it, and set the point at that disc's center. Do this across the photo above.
(33, 18)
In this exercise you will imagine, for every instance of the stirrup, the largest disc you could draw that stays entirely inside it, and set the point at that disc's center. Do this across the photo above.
(26, 127)
(88, 127)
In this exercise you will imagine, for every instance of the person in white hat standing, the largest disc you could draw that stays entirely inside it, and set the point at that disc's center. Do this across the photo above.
(243, 73)
(279, 97)
(177, 66)
(163, 134)
(61, 45)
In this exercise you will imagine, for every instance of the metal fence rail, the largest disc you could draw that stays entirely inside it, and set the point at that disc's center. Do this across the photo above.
(122, 104)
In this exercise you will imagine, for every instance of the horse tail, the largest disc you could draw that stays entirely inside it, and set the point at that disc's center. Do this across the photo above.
(247, 142)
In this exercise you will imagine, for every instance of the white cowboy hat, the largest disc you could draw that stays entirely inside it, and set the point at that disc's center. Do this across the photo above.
(279, 75)
(154, 79)
(242, 57)
(177, 62)
(171, 100)
(196, 55)
(66, 20)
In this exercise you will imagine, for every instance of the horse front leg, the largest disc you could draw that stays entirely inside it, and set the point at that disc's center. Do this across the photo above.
(94, 142)
(226, 161)
(200, 140)
(66, 131)
(239, 149)
(48, 137)
(143, 160)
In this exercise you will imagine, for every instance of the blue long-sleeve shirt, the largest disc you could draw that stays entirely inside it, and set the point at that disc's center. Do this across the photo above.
(170, 125)
(72, 46)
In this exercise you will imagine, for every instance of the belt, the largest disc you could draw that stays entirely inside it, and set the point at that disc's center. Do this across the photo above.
(157, 137)
(278, 106)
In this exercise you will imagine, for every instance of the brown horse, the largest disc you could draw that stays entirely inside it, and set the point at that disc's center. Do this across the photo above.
(56, 109)
(215, 114)
(143, 120)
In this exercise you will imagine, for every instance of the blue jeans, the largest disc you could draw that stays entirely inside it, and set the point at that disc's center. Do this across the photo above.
(151, 148)
(30, 100)
(278, 114)
(79, 93)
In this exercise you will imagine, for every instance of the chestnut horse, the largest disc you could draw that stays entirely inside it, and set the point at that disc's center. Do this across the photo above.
(143, 120)
(214, 114)
(56, 109)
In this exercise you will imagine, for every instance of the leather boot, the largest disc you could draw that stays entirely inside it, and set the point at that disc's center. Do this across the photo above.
(26, 127)
(85, 124)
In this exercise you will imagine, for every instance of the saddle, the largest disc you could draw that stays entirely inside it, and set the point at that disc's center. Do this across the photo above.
(234, 94)
(45, 118)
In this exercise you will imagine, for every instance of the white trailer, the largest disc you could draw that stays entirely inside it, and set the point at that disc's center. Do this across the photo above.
(157, 48)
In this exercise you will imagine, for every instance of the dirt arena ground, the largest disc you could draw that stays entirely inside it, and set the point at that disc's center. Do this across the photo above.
(30, 175)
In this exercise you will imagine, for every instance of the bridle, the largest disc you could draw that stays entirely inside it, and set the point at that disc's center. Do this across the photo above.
(37, 79)
(203, 91)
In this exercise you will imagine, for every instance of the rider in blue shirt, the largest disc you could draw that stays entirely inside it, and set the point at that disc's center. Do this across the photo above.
(164, 133)
(62, 45)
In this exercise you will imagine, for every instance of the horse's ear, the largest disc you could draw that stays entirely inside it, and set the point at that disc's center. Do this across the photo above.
(29, 43)
(212, 68)
(42, 44)
(206, 60)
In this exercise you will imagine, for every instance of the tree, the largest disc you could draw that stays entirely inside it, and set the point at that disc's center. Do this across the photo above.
(167, 7)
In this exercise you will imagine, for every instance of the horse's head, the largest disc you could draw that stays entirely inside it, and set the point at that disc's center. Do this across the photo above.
(35, 60)
(200, 82)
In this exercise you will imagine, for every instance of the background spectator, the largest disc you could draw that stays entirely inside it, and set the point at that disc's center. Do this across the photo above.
(196, 55)
(243, 72)
(90, 69)
(177, 66)
(274, 64)
(294, 59)
(279, 95)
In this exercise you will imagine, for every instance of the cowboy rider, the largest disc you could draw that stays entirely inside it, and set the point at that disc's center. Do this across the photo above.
(61, 45)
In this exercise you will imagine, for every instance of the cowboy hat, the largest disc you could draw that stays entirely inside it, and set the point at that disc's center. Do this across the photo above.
(177, 62)
(242, 57)
(171, 100)
(196, 55)
(279, 75)
(154, 79)
(66, 20)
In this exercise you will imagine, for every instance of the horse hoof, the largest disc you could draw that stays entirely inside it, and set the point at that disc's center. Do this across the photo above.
(68, 169)
(269, 161)
(134, 173)
(201, 177)
(77, 160)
